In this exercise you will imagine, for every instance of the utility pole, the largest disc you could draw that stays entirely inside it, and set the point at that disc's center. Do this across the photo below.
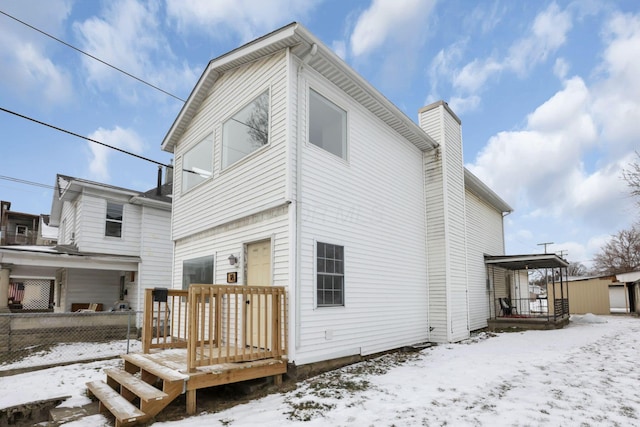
(545, 245)
(564, 253)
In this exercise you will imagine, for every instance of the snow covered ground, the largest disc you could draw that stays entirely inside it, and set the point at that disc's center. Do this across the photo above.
(584, 375)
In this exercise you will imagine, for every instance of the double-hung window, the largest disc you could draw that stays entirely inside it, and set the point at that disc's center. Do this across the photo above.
(113, 223)
(246, 131)
(197, 164)
(197, 271)
(327, 125)
(330, 275)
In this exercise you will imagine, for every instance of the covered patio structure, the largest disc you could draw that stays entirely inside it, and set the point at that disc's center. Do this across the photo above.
(514, 303)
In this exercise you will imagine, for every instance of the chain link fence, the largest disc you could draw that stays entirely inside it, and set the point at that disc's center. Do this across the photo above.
(30, 341)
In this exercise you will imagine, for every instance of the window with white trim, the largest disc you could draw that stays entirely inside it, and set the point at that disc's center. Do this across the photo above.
(197, 271)
(113, 223)
(246, 131)
(197, 164)
(329, 275)
(327, 125)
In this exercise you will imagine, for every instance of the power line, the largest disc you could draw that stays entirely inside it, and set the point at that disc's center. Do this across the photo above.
(84, 137)
(91, 56)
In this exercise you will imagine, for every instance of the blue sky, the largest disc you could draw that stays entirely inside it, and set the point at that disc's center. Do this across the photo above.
(548, 92)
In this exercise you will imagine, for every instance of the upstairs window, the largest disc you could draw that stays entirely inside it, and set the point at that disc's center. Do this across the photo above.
(327, 125)
(197, 164)
(246, 131)
(197, 271)
(113, 224)
(21, 230)
(330, 275)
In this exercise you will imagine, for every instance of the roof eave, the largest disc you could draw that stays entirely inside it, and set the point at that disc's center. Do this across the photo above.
(290, 36)
(210, 75)
(482, 190)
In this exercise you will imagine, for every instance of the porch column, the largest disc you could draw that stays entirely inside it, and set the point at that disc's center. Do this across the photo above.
(4, 289)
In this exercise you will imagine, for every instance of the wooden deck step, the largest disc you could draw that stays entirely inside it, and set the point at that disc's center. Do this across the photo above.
(120, 407)
(163, 372)
(143, 390)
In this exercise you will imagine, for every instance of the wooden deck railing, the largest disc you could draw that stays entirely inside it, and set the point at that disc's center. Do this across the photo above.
(236, 324)
(166, 322)
(217, 323)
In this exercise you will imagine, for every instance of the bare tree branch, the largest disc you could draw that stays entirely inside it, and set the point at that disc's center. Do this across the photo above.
(621, 254)
(632, 176)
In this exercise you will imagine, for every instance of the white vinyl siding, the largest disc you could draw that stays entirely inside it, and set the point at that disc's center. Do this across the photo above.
(156, 254)
(223, 241)
(92, 286)
(446, 232)
(373, 206)
(91, 226)
(484, 237)
(252, 183)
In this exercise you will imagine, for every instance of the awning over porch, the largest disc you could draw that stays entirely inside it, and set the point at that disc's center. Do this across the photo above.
(526, 262)
(515, 302)
(65, 257)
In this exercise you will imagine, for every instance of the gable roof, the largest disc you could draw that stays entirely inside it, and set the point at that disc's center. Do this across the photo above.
(67, 188)
(316, 55)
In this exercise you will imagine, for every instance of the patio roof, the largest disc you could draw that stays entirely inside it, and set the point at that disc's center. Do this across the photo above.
(523, 262)
(64, 256)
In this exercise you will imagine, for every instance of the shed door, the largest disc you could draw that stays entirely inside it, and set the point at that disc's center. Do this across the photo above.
(259, 274)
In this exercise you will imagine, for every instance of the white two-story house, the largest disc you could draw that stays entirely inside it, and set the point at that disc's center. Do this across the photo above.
(293, 170)
(112, 244)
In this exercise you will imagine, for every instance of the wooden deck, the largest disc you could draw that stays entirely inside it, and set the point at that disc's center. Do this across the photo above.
(208, 336)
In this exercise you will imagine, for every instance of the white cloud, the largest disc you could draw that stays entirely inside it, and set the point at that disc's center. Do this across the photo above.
(340, 48)
(245, 18)
(561, 68)
(463, 104)
(129, 36)
(548, 33)
(548, 167)
(475, 74)
(617, 105)
(400, 21)
(125, 139)
(27, 68)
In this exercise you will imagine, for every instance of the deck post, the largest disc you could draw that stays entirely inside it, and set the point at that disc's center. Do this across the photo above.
(191, 402)
(277, 380)
(147, 331)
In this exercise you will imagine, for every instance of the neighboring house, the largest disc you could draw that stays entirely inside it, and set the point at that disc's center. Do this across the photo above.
(292, 170)
(18, 228)
(112, 244)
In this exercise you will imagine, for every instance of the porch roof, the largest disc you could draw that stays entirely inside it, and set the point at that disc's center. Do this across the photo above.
(523, 262)
(65, 257)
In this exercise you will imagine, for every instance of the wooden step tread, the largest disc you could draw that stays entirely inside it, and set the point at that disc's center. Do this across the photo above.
(143, 390)
(167, 374)
(120, 407)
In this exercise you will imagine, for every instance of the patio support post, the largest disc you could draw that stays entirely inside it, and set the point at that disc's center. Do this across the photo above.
(4, 289)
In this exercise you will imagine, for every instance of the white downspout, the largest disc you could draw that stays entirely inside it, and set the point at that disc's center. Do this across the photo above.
(312, 51)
